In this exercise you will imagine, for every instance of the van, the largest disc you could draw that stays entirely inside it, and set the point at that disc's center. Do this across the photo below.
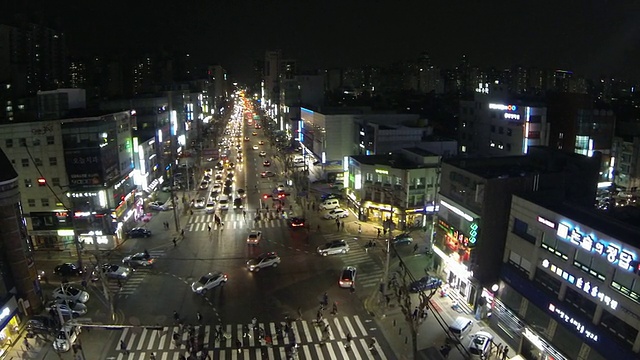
(461, 327)
(329, 204)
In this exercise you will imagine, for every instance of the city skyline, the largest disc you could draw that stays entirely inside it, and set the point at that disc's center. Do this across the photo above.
(590, 38)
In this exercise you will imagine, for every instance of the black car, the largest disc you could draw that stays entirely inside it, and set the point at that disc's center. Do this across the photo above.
(237, 203)
(67, 269)
(41, 324)
(296, 222)
(227, 190)
(331, 196)
(139, 233)
(426, 283)
(228, 183)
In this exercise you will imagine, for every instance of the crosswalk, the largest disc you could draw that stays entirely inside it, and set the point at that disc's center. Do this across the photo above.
(124, 288)
(313, 343)
(369, 271)
(201, 222)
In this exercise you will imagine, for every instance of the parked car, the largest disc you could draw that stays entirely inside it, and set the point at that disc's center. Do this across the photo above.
(425, 283)
(333, 247)
(208, 282)
(402, 239)
(67, 269)
(139, 232)
(331, 196)
(156, 205)
(337, 213)
(70, 293)
(67, 309)
(66, 337)
(480, 345)
(270, 259)
(348, 277)
(41, 324)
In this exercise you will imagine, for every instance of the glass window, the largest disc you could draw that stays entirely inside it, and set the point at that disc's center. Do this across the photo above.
(44, 202)
(509, 132)
(566, 340)
(25, 162)
(50, 140)
(521, 229)
(537, 319)
(53, 161)
(36, 142)
(55, 181)
(8, 143)
(31, 202)
(621, 330)
(28, 183)
(547, 282)
(37, 161)
(22, 142)
(579, 302)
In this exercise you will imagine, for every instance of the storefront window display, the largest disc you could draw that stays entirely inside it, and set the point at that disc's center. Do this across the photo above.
(8, 334)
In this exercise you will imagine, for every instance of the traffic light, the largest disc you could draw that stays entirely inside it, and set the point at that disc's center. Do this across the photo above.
(42, 181)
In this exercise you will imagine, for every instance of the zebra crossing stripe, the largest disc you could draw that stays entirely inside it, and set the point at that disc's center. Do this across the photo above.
(341, 333)
(163, 337)
(144, 334)
(122, 337)
(305, 329)
(306, 351)
(363, 331)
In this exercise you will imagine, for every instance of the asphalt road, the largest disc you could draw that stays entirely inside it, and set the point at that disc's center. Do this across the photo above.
(151, 295)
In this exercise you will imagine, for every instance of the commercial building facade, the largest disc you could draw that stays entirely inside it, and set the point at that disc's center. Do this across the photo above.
(569, 285)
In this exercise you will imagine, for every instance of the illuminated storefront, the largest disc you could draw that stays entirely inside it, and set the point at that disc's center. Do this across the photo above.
(9, 325)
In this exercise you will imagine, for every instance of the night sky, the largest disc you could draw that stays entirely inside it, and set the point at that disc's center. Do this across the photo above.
(589, 37)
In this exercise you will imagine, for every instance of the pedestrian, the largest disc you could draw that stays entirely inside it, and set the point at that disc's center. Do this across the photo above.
(175, 243)
(191, 212)
(244, 214)
(359, 228)
(352, 289)
(84, 284)
(152, 356)
(414, 315)
(338, 225)
(384, 231)
(268, 341)
(505, 352)
(318, 227)
(182, 232)
(387, 298)
(415, 248)
(176, 316)
(119, 284)
(239, 345)
(372, 343)
(342, 225)
(347, 345)
(209, 227)
(299, 313)
(123, 347)
(199, 316)
(378, 232)
(27, 346)
(334, 311)
(325, 299)
(146, 253)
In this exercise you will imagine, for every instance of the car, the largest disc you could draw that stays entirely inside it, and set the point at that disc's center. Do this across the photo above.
(208, 282)
(402, 239)
(254, 237)
(262, 154)
(228, 183)
(227, 190)
(139, 232)
(41, 324)
(156, 205)
(425, 283)
(254, 133)
(73, 309)
(230, 176)
(270, 259)
(266, 163)
(208, 171)
(168, 188)
(480, 345)
(66, 337)
(331, 196)
(206, 178)
(67, 269)
(246, 138)
(333, 247)
(223, 204)
(295, 222)
(280, 187)
(267, 174)
(261, 142)
(138, 259)
(70, 293)
(336, 213)
(211, 207)
(217, 187)
(218, 177)
(116, 271)
(204, 185)
(241, 193)
(348, 277)
(199, 203)
(214, 196)
(255, 147)
(237, 203)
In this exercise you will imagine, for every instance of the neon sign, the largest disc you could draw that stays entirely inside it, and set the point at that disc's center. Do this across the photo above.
(511, 116)
(615, 254)
(571, 321)
(383, 172)
(544, 221)
(582, 284)
(503, 107)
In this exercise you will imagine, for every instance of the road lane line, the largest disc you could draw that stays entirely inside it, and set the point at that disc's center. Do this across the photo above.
(122, 337)
(341, 334)
(351, 330)
(379, 351)
(131, 341)
(272, 331)
(305, 329)
(207, 330)
(360, 326)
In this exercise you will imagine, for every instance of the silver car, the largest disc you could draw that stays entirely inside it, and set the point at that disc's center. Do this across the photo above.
(139, 259)
(70, 309)
(70, 293)
(333, 247)
(116, 271)
(208, 282)
(270, 259)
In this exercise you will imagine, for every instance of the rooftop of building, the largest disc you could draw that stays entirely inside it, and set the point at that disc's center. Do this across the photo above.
(539, 160)
(621, 224)
(420, 151)
(394, 160)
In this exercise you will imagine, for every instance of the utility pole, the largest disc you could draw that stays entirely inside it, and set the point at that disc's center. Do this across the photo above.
(105, 289)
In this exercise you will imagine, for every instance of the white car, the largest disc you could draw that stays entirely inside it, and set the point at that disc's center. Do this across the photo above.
(211, 207)
(348, 277)
(337, 213)
(208, 282)
(223, 203)
(70, 293)
(263, 153)
(333, 247)
(270, 259)
(156, 205)
(254, 237)
(255, 147)
(116, 271)
(72, 309)
(199, 203)
(217, 187)
(204, 185)
(280, 187)
(66, 337)
(480, 345)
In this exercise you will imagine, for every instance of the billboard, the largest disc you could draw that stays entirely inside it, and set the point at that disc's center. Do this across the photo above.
(84, 167)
